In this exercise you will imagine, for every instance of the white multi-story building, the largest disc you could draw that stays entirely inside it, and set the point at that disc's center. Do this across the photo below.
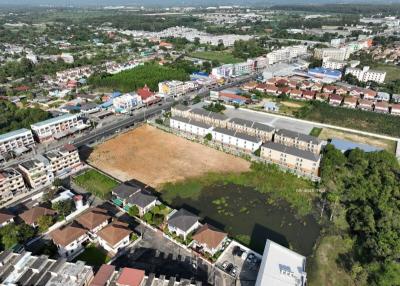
(11, 184)
(243, 68)
(366, 74)
(64, 160)
(338, 54)
(37, 172)
(286, 54)
(127, 102)
(175, 87)
(236, 139)
(333, 64)
(281, 266)
(57, 127)
(190, 126)
(15, 140)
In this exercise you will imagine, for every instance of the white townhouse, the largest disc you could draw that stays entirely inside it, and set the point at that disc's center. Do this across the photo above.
(235, 139)
(127, 102)
(14, 141)
(114, 237)
(69, 239)
(190, 126)
(57, 127)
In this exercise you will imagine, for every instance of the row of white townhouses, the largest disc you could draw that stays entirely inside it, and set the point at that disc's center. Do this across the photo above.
(38, 172)
(295, 151)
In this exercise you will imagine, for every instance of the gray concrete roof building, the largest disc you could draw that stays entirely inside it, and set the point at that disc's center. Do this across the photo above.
(300, 136)
(292, 151)
(236, 134)
(192, 122)
(207, 113)
(183, 220)
(141, 199)
(252, 124)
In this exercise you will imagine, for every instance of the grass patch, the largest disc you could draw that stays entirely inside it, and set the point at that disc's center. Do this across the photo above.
(392, 71)
(315, 131)
(351, 118)
(96, 183)
(93, 256)
(220, 56)
(388, 145)
(267, 179)
(324, 268)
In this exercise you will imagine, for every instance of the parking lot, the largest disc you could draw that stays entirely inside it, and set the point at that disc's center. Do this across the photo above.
(156, 254)
(240, 263)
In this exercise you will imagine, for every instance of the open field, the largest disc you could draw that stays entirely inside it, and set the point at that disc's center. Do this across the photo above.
(222, 57)
(392, 71)
(95, 183)
(155, 157)
(328, 133)
(324, 269)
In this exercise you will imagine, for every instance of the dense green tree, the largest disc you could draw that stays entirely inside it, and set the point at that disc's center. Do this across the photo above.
(64, 207)
(133, 211)
(12, 234)
(44, 222)
(12, 117)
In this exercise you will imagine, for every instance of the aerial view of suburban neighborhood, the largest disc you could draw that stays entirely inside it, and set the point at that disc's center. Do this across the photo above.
(227, 143)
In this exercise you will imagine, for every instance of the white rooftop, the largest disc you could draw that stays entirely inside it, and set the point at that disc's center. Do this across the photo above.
(281, 266)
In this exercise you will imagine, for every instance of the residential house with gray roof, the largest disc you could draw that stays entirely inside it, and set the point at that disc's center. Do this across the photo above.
(182, 222)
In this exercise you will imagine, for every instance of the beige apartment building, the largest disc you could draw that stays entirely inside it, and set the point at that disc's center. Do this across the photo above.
(208, 117)
(299, 161)
(63, 160)
(298, 140)
(37, 172)
(180, 111)
(11, 184)
(252, 128)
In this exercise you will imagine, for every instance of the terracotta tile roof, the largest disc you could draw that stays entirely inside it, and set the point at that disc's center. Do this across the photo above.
(4, 216)
(103, 275)
(65, 235)
(93, 218)
(114, 232)
(209, 235)
(130, 277)
(32, 215)
(144, 92)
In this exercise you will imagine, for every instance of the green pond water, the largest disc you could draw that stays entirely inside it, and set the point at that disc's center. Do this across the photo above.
(245, 212)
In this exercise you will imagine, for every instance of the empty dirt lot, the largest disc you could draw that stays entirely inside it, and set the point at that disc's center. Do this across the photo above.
(155, 157)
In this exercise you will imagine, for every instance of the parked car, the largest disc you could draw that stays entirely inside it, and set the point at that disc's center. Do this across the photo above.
(234, 271)
(225, 264)
(229, 268)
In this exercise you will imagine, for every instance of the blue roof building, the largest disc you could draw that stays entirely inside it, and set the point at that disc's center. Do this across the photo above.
(116, 94)
(325, 73)
(345, 145)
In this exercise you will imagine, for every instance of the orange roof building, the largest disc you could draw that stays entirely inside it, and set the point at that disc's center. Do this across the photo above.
(130, 277)
(209, 238)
